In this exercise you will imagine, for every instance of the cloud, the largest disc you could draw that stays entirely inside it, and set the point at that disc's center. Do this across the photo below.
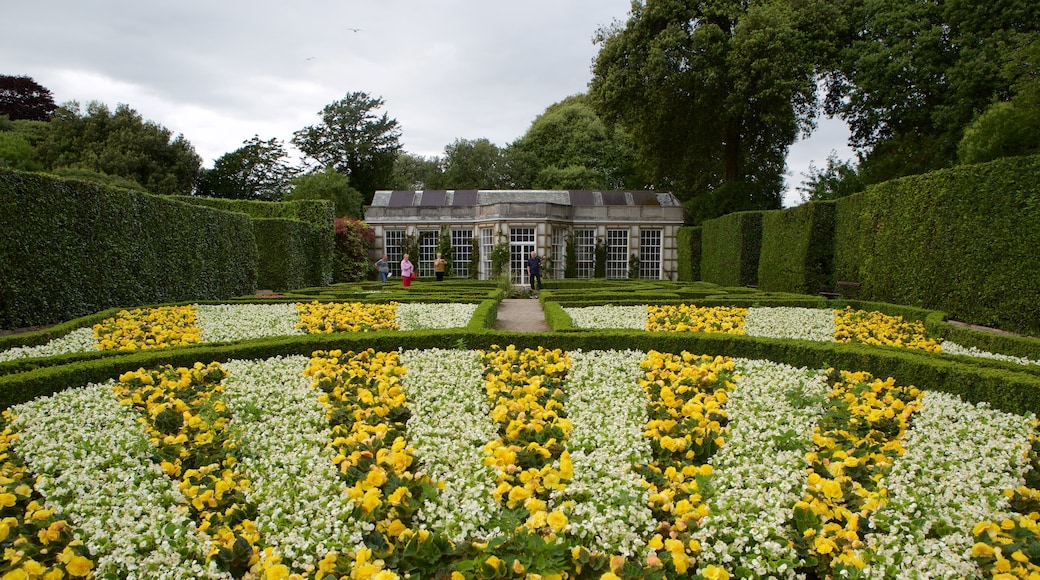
(219, 72)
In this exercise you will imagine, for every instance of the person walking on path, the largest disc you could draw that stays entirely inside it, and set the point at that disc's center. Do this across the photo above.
(534, 271)
(407, 271)
(384, 268)
(439, 266)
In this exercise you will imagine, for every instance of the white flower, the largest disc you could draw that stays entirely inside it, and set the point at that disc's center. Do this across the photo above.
(960, 458)
(94, 465)
(791, 323)
(79, 340)
(759, 474)
(231, 322)
(608, 317)
(283, 435)
(449, 426)
(421, 316)
(954, 348)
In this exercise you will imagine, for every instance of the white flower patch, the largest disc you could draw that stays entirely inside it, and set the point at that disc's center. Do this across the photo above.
(231, 322)
(759, 473)
(93, 462)
(304, 509)
(448, 428)
(960, 458)
(608, 316)
(954, 348)
(79, 340)
(791, 323)
(606, 502)
(427, 316)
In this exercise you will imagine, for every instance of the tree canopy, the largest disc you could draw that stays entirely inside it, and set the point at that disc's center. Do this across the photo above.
(23, 98)
(714, 92)
(122, 144)
(354, 140)
(330, 185)
(257, 170)
(911, 76)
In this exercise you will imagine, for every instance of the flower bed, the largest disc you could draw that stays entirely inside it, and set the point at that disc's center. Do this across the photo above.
(513, 463)
(821, 325)
(168, 326)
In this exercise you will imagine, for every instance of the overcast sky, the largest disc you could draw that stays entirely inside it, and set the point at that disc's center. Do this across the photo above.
(221, 71)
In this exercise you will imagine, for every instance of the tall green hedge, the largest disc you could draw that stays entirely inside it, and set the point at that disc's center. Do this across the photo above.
(850, 235)
(689, 249)
(283, 249)
(798, 249)
(318, 252)
(70, 248)
(730, 249)
(962, 240)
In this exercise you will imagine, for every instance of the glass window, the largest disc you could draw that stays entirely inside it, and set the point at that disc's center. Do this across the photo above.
(392, 242)
(487, 244)
(559, 252)
(617, 253)
(650, 254)
(427, 252)
(585, 246)
(461, 251)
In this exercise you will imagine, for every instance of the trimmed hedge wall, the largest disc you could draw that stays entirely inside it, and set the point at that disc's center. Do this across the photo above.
(798, 249)
(70, 248)
(962, 240)
(315, 250)
(730, 249)
(689, 250)
(284, 251)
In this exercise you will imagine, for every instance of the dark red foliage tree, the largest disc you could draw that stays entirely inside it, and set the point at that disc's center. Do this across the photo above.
(24, 98)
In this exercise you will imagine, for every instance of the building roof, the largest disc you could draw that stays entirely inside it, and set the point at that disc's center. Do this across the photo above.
(474, 197)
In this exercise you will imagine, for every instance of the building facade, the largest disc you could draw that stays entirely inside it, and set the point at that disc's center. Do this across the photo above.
(637, 228)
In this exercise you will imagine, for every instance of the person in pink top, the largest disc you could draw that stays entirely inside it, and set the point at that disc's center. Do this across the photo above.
(406, 271)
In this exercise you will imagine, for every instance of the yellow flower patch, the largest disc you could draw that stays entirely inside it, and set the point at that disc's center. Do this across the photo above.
(687, 425)
(148, 328)
(855, 444)
(326, 317)
(879, 329)
(1011, 547)
(691, 318)
(37, 542)
(367, 410)
(525, 391)
(184, 415)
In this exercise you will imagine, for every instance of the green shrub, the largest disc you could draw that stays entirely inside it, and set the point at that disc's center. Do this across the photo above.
(798, 249)
(70, 248)
(688, 240)
(962, 240)
(730, 249)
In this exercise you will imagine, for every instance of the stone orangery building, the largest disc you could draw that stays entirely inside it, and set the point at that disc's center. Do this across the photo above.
(640, 224)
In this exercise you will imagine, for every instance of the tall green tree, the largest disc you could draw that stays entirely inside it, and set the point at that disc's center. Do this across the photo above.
(120, 143)
(576, 150)
(417, 172)
(23, 98)
(474, 164)
(912, 75)
(330, 185)
(714, 92)
(838, 179)
(356, 140)
(257, 170)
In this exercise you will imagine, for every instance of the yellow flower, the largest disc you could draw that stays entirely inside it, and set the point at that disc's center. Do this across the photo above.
(557, 521)
(713, 572)
(277, 572)
(79, 566)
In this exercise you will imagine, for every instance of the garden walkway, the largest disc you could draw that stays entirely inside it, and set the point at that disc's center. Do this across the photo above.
(521, 315)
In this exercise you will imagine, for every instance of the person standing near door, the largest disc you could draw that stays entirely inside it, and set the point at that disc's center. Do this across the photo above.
(534, 271)
(439, 265)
